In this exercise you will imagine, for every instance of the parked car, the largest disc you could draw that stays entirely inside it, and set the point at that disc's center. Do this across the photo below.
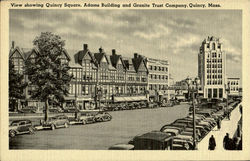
(143, 104)
(55, 110)
(20, 127)
(122, 147)
(71, 110)
(28, 109)
(173, 132)
(102, 116)
(56, 122)
(154, 140)
(152, 105)
(86, 118)
(181, 144)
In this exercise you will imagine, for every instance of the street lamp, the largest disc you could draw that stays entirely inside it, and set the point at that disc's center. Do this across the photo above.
(188, 81)
(197, 82)
(227, 86)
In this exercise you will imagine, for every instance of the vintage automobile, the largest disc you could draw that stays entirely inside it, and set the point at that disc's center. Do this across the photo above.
(122, 147)
(154, 140)
(181, 144)
(86, 118)
(102, 116)
(28, 109)
(20, 127)
(143, 104)
(180, 129)
(56, 122)
(71, 110)
(173, 132)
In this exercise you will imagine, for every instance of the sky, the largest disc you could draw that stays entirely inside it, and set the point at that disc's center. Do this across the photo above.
(173, 35)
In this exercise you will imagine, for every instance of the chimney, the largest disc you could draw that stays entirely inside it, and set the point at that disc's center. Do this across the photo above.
(13, 45)
(113, 52)
(85, 46)
(135, 55)
(101, 50)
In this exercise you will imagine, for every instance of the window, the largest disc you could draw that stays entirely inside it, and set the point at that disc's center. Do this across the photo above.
(207, 45)
(155, 67)
(213, 46)
(220, 92)
(151, 67)
(215, 93)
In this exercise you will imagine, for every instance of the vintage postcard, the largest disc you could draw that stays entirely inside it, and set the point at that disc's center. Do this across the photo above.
(124, 80)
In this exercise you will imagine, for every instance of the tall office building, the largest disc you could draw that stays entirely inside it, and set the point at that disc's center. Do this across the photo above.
(212, 68)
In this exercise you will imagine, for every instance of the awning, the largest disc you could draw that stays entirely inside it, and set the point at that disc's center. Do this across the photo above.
(130, 99)
(119, 99)
(160, 93)
(180, 97)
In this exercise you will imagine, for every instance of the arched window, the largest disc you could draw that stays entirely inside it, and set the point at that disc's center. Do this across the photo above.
(213, 46)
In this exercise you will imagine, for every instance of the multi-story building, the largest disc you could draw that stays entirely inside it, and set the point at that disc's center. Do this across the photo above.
(158, 79)
(212, 68)
(107, 78)
(234, 86)
(101, 77)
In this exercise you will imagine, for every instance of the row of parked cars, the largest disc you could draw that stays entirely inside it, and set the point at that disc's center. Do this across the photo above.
(178, 135)
(25, 126)
(138, 105)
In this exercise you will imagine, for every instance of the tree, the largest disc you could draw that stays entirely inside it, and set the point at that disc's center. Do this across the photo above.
(16, 86)
(48, 73)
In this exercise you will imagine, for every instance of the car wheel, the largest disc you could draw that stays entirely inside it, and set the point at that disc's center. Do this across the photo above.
(53, 127)
(31, 130)
(12, 133)
(66, 125)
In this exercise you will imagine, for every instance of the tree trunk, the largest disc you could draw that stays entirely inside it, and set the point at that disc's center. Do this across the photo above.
(46, 118)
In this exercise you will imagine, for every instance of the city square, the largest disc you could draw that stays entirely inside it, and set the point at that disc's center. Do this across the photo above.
(125, 90)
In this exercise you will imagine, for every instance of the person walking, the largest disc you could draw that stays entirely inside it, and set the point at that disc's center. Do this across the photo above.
(226, 141)
(212, 143)
(218, 124)
(228, 115)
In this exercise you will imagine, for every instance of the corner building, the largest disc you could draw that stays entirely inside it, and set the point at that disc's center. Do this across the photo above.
(212, 68)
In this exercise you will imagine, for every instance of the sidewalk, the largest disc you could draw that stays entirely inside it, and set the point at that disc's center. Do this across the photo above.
(227, 126)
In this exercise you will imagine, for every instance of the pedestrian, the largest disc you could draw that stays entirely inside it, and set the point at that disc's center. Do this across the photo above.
(218, 124)
(240, 145)
(229, 115)
(212, 143)
(226, 141)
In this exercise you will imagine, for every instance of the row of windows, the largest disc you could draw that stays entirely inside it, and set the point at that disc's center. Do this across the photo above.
(213, 46)
(214, 76)
(158, 68)
(159, 77)
(105, 89)
(214, 93)
(234, 83)
(214, 60)
(214, 71)
(234, 89)
(214, 65)
(157, 87)
(214, 82)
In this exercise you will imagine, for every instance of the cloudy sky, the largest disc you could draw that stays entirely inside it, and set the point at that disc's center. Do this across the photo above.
(174, 35)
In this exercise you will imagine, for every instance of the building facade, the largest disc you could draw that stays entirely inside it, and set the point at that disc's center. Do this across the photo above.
(102, 77)
(234, 86)
(158, 79)
(212, 68)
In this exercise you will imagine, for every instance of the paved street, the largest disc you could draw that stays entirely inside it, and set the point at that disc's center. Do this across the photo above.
(227, 126)
(99, 136)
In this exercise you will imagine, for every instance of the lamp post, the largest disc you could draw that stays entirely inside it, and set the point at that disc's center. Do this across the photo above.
(197, 82)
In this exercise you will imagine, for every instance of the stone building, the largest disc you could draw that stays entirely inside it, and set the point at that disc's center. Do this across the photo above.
(212, 68)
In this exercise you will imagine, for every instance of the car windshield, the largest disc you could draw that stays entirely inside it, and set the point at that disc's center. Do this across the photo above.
(14, 124)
